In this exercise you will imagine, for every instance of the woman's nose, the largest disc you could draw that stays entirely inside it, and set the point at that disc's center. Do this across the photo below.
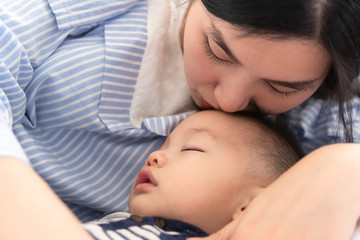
(156, 159)
(232, 98)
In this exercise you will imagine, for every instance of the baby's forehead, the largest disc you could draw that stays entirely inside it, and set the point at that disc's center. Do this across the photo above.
(216, 120)
(219, 124)
(191, 131)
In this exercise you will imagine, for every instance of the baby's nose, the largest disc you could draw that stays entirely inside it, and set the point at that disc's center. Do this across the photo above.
(156, 159)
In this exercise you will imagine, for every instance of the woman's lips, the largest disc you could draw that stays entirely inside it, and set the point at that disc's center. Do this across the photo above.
(206, 105)
(144, 180)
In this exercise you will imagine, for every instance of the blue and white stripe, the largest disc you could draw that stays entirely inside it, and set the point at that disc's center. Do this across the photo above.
(9, 146)
(316, 123)
(68, 70)
(68, 73)
(119, 225)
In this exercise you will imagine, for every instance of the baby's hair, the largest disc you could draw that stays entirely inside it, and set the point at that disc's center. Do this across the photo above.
(273, 145)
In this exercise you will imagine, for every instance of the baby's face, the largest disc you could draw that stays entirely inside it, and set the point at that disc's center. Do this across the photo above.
(197, 175)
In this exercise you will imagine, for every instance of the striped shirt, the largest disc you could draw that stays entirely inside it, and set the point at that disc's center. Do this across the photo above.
(120, 225)
(71, 72)
(316, 123)
(68, 71)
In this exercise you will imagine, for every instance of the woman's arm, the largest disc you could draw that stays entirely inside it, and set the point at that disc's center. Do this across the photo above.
(30, 210)
(316, 199)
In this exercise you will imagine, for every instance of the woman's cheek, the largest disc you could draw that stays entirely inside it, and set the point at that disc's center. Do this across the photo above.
(193, 70)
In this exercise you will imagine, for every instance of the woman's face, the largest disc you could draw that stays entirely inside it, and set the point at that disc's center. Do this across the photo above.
(230, 71)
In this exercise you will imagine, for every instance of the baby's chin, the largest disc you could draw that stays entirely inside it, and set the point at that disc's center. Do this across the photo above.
(146, 207)
(141, 208)
(147, 211)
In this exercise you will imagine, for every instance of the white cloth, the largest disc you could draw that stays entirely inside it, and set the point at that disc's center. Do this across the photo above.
(161, 88)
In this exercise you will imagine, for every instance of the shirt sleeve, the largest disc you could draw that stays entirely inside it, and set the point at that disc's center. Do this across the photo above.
(74, 13)
(9, 145)
(15, 71)
(316, 123)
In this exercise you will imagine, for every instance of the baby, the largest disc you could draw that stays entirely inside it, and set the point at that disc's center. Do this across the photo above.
(207, 172)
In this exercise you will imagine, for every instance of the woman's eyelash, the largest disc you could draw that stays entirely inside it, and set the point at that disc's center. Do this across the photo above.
(282, 94)
(211, 54)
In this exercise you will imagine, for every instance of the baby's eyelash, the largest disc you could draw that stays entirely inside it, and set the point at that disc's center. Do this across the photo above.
(186, 149)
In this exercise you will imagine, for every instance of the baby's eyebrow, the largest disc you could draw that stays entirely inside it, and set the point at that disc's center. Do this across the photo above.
(203, 130)
(191, 132)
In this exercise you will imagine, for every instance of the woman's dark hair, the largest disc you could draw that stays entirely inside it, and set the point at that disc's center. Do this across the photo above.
(335, 24)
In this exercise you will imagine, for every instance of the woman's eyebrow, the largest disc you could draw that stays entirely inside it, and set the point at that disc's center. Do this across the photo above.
(216, 35)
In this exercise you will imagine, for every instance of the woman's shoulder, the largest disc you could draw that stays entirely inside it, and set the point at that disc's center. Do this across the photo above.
(316, 122)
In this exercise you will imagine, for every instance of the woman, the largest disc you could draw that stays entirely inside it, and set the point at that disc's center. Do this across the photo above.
(297, 49)
(83, 85)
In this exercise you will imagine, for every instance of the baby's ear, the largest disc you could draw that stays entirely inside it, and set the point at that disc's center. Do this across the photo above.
(238, 212)
(245, 203)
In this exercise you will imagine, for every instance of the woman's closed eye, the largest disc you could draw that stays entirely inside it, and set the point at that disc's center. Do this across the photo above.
(210, 53)
(282, 93)
(288, 91)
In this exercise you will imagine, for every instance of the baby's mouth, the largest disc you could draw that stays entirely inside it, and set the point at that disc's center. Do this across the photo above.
(144, 180)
